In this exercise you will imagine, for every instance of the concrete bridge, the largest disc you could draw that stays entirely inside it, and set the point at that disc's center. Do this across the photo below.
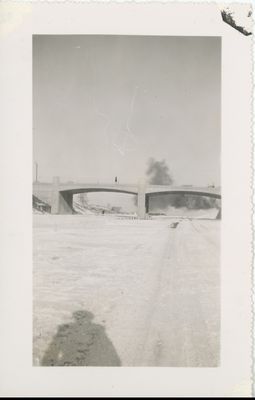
(60, 195)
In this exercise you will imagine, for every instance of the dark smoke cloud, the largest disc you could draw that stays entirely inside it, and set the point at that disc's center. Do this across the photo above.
(158, 173)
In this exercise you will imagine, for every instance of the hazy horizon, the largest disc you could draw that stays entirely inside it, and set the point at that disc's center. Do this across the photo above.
(103, 105)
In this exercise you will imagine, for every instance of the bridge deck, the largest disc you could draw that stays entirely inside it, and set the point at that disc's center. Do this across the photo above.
(127, 188)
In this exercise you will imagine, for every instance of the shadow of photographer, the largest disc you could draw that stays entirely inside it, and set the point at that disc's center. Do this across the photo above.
(81, 343)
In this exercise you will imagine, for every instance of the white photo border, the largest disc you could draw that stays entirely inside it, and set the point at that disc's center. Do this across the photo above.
(18, 377)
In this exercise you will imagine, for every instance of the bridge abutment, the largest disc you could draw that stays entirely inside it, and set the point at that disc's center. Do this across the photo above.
(62, 202)
(147, 204)
(55, 196)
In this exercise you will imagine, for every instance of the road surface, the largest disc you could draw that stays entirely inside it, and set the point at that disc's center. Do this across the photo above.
(116, 292)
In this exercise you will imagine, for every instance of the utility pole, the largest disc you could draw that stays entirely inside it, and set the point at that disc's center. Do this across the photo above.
(36, 172)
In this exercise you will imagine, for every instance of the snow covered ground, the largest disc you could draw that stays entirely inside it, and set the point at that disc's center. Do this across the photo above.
(111, 291)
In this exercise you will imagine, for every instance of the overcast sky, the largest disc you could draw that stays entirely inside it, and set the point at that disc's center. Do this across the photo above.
(103, 105)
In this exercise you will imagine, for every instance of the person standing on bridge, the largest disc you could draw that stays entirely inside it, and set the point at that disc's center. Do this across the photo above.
(116, 179)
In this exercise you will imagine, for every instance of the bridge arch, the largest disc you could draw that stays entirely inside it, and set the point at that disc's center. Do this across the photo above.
(187, 192)
(201, 193)
(63, 203)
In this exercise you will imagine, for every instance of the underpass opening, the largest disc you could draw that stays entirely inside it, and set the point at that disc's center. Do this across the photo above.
(102, 201)
(184, 204)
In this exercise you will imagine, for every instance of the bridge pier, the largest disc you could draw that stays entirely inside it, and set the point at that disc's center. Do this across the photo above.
(141, 201)
(62, 202)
